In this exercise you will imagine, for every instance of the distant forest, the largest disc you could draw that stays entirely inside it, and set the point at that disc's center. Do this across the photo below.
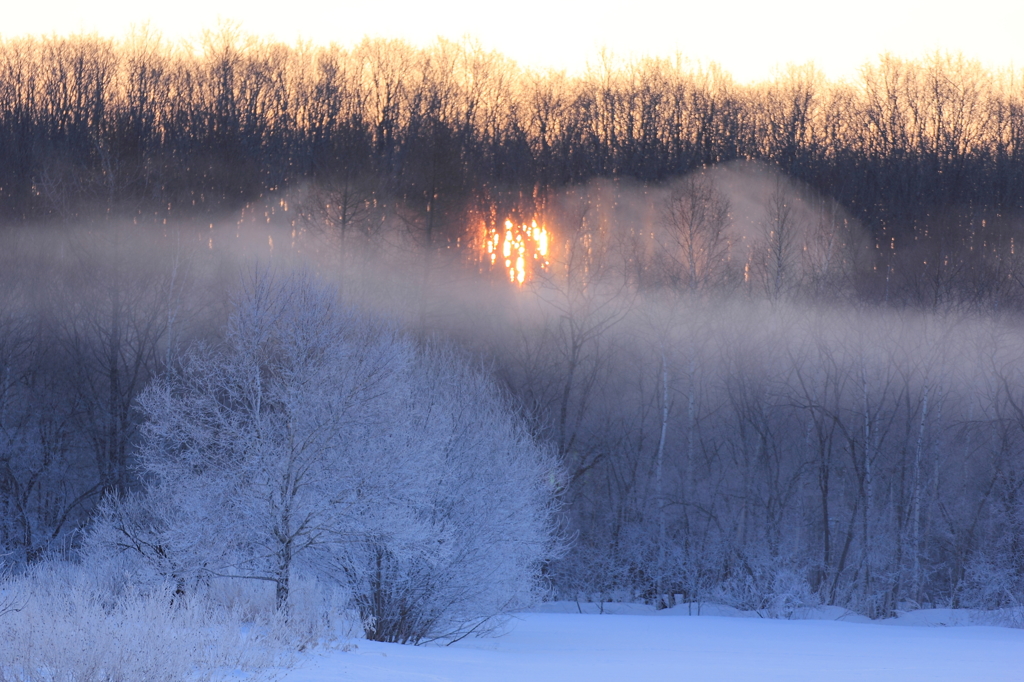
(775, 346)
(140, 127)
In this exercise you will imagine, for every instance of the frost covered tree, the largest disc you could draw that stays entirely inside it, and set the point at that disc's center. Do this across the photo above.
(315, 440)
(474, 523)
(252, 450)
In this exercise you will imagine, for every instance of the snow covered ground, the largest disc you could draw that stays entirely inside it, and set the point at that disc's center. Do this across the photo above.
(640, 645)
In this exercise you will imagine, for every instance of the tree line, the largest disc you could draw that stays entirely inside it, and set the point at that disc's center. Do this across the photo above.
(924, 149)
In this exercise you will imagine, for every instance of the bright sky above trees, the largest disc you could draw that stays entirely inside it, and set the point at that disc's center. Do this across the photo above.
(748, 37)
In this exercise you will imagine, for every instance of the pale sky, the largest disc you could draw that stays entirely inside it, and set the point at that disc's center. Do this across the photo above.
(747, 37)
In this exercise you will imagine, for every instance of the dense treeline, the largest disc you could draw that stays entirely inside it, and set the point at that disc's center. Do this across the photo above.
(144, 127)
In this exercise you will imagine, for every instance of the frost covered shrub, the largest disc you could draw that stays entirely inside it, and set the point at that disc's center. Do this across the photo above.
(771, 586)
(65, 625)
(992, 581)
(473, 527)
(314, 441)
(635, 568)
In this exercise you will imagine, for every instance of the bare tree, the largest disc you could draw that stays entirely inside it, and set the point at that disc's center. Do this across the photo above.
(830, 252)
(777, 250)
(696, 216)
(343, 206)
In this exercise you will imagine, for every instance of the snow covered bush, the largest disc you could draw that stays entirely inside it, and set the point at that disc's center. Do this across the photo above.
(66, 626)
(773, 586)
(475, 523)
(316, 442)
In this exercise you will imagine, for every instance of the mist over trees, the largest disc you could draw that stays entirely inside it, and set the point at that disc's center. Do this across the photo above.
(772, 358)
(925, 153)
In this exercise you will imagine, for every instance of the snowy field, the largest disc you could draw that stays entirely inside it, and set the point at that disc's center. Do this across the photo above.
(642, 646)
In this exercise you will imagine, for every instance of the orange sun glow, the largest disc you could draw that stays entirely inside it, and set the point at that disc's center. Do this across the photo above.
(521, 250)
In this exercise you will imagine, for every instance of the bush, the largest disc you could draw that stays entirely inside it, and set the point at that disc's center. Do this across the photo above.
(68, 625)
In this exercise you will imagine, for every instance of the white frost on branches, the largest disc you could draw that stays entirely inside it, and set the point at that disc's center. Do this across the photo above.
(318, 441)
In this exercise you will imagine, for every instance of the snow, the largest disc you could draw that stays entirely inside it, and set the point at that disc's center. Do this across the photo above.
(637, 644)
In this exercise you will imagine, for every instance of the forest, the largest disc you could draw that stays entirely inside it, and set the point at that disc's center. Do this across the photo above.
(654, 335)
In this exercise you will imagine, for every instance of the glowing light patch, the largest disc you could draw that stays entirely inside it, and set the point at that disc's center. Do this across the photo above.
(524, 248)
